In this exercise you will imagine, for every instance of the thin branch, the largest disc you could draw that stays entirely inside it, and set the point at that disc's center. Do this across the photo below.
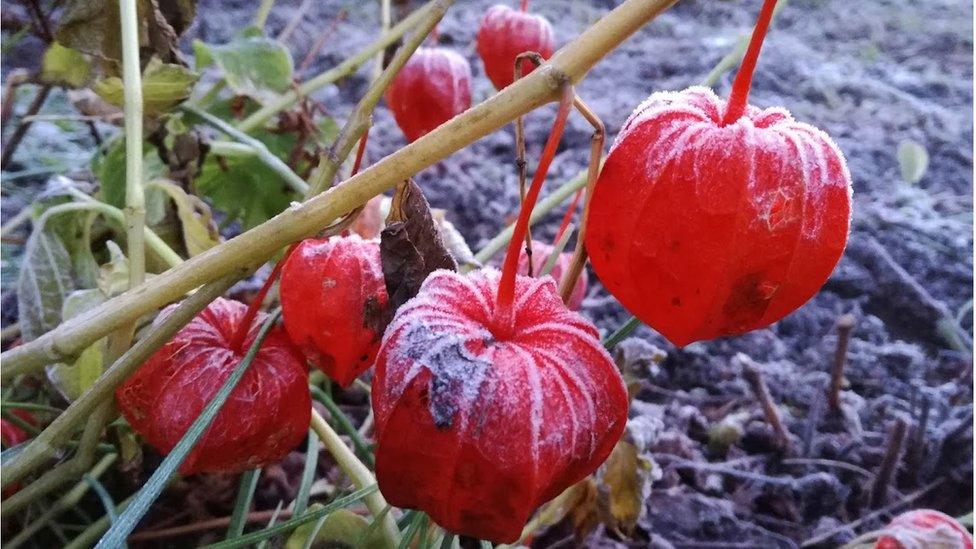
(343, 70)
(255, 246)
(261, 151)
(360, 119)
(205, 525)
(358, 473)
(845, 324)
(11, 145)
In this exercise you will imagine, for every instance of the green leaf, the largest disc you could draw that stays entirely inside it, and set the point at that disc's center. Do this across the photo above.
(43, 284)
(913, 160)
(342, 528)
(164, 85)
(199, 231)
(202, 54)
(65, 66)
(91, 26)
(71, 380)
(144, 498)
(245, 188)
(255, 66)
(109, 169)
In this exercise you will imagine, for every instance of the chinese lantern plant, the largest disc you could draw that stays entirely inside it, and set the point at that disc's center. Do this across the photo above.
(735, 215)
(433, 87)
(330, 290)
(917, 528)
(267, 414)
(487, 404)
(504, 34)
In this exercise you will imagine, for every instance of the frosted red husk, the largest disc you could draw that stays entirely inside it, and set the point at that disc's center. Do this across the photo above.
(703, 230)
(504, 34)
(266, 416)
(12, 435)
(327, 286)
(924, 528)
(540, 255)
(433, 87)
(478, 424)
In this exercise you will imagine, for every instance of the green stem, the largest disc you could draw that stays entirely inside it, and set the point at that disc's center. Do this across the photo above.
(300, 221)
(343, 420)
(261, 16)
(622, 332)
(135, 201)
(30, 406)
(358, 123)
(245, 493)
(346, 68)
(231, 149)
(16, 221)
(358, 473)
(67, 501)
(264, 155)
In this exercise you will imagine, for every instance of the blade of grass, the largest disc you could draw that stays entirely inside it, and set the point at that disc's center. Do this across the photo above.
(556, 250)
(289, 525)
(119, 531)
(271, 523)
(345, 424)
(308, 474)
(622, 332)
(245, 493)
(368, 532)
(104, 497)
(412, 530)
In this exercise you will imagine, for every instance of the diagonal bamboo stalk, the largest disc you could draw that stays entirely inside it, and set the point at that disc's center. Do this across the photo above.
(570, 64)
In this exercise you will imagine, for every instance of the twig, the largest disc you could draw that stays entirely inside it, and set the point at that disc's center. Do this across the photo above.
(752, 375)
(360, 476)
(828, 463)
(261, 151)
(320, 41)
(15, 222)
(845, 324)
(285, 33)
(261, 16)
(916, 443)
(14, 79)
(886, 471)
(18, 135)
(256, 245)
(204, 525)
(359, 120)
(336, 73)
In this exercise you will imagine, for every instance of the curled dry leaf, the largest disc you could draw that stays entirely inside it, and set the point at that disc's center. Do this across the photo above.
(411, 246)
(199, 230)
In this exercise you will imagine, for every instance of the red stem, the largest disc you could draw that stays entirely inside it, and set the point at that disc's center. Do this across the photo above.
(739, 96)
(568, 216)
(525, 5)
(244, 326)
(359, 153)
(506, 287)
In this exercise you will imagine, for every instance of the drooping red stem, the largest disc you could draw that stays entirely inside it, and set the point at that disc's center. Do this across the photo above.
(568, 216)
(525, 5)
(739, 96)
(359, 152)
(506, 286)
(244, 326)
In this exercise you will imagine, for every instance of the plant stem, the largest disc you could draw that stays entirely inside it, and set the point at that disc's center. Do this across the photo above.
(546, 205)
(54, 436)
(359, 121)
(16, 221)
(506, 286)
(261, 16)
(339, 417)
(739, 96)
(231, 149)
(845, 324)
(733, 58)
(135, 202)
(264, 155)
(358, 473)
(343, 70)
(622, 332)
(301, 221)
(67, 501)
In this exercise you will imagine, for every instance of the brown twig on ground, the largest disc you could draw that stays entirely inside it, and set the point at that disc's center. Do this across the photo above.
(11, 145)
(204, 525)
(915, 451)
(320, 41)
(752, 375)
(14, 79)
(845, 324)
(886, 471)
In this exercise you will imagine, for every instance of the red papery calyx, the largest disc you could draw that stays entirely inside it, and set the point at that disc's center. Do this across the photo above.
(433, 87)
(504, 34)
(265, 417)
(712, 219)
(332, 295)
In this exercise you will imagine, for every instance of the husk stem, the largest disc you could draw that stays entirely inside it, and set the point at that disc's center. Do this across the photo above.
(506, 286)
(739, 96)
